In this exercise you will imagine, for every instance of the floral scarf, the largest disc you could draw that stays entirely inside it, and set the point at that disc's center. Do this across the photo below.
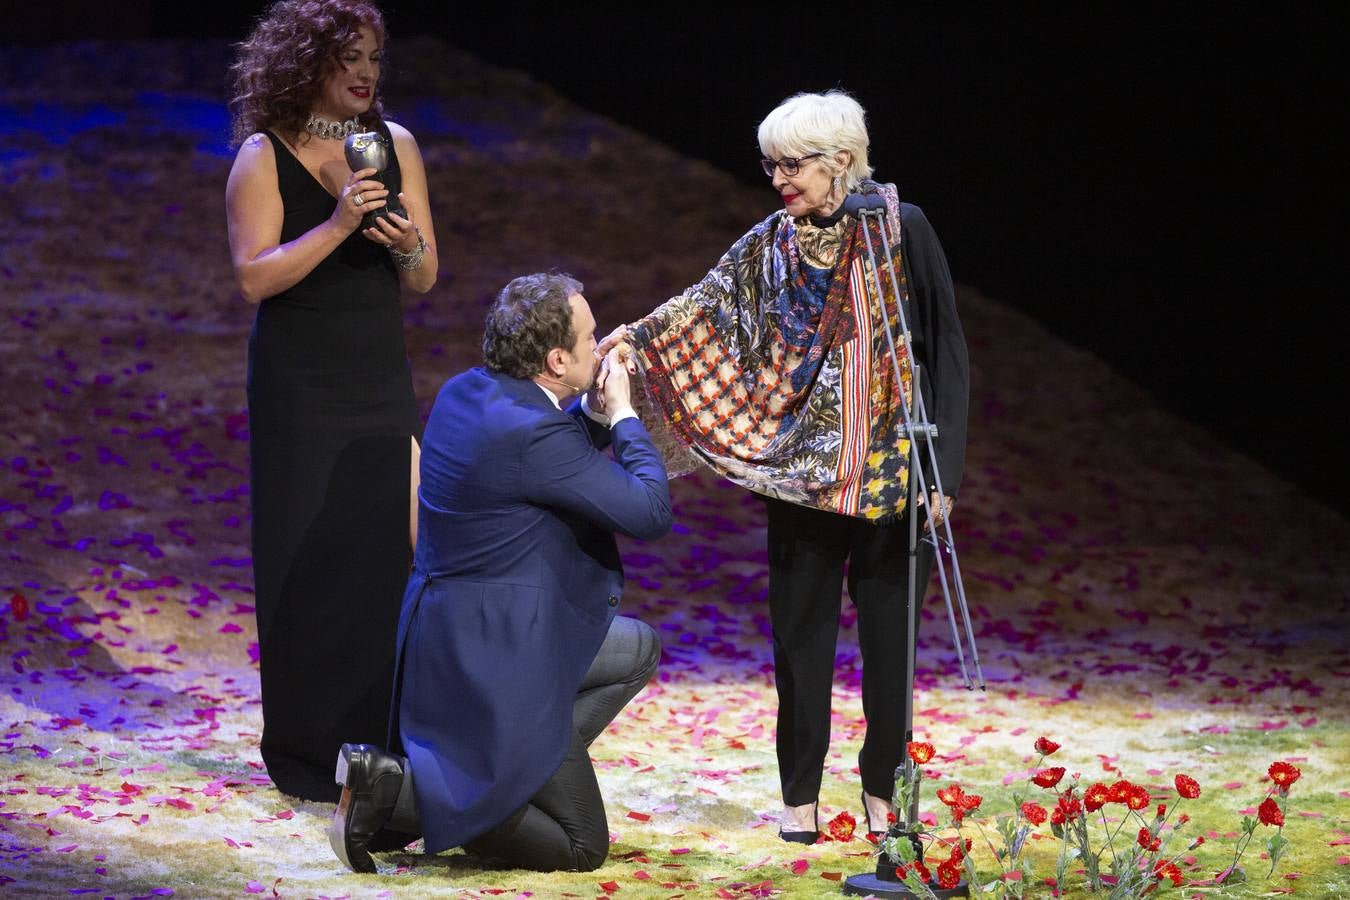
(776, 391)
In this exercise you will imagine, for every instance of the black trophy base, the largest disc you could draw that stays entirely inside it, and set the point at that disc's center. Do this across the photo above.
(872, 886)
(369, 220)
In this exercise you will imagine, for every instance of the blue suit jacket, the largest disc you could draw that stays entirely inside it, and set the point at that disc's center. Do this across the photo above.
(517, 577)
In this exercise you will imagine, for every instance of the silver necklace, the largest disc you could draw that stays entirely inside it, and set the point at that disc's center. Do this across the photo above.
(327, 128)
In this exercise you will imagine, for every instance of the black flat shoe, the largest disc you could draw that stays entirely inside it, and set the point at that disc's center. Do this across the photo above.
(370, 780)
(802, 837)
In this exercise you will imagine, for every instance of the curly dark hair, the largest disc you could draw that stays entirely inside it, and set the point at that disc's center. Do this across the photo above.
(281, 67)
(530, 317)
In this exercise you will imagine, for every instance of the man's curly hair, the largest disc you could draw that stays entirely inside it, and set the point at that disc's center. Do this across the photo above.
(281, 67)
(530, 317)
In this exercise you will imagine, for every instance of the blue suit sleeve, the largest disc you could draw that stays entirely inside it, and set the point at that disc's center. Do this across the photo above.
(599, 434)
(629, 494)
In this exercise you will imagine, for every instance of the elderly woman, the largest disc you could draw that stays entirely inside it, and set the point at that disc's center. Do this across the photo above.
(332, 416)
(774, 371)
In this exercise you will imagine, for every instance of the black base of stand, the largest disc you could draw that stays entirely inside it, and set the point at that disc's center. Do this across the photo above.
(872, 886)
(884, 883)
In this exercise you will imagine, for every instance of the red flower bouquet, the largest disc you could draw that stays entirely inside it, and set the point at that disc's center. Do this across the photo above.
(1086, 822)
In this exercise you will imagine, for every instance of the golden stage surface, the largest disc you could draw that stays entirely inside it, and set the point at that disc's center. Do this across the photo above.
(1147, 597)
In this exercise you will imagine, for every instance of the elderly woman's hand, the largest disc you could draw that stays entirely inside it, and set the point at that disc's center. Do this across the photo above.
(942, 509)
(613, 339)
(617, 340)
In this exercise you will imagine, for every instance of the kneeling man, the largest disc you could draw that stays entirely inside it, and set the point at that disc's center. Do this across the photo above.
(512, 659)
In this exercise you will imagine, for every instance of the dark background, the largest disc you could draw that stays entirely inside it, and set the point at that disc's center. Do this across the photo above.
(1156, 185)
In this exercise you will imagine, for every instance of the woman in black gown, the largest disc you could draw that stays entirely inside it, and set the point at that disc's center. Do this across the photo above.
(332, 416)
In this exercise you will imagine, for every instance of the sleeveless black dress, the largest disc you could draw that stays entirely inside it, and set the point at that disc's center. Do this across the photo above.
(331, 414)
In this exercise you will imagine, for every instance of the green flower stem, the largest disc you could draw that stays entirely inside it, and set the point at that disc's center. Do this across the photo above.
(988, 843)
(1238, 850)
(1277, 843)
(1110, 840)
(1091, 861)
(1062, 865)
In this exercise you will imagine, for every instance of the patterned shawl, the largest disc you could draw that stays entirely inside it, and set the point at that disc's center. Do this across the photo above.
(775, 392)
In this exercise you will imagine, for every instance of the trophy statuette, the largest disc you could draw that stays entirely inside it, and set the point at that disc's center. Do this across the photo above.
(369, 150)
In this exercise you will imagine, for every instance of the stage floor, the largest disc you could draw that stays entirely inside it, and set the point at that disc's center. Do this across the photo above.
(1150, 599)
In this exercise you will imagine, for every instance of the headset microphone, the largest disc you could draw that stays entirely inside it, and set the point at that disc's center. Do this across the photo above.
(566, 384)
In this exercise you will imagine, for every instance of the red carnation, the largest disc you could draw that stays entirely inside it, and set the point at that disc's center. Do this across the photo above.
(948, 875)
(951, 795)
(960, 802)
(1137, 798)
(1188, 787)
(1068, 804)
(1096, 797)
(841, 827)
(1284, 774)
(1148, 841)
(920, 751)
(1056, 816)
(1034, 813)
(1045, 746)
(1048, 778)
(1168, 869)
(1119, 792)
(1269, 812)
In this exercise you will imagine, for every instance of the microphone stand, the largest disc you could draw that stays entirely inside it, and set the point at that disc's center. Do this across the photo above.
(920, 431)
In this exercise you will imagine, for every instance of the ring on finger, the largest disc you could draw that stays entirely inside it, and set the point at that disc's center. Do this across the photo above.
(357, 199)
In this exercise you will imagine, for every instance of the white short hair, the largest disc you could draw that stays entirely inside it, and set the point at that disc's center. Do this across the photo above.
(818, 123)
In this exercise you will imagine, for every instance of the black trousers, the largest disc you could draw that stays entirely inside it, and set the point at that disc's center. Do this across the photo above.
(563, 827)
(808, 550)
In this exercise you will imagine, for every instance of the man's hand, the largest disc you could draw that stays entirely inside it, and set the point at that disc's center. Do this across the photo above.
(614, 386)
(604, 350)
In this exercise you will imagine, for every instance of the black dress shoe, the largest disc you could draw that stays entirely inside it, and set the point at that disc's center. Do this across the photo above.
(387, 840)
(370, 780)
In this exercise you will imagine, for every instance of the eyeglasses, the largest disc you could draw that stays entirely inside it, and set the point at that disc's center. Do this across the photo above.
(790, 165)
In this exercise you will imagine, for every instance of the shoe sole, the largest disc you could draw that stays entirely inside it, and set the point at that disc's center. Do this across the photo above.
(337, 828)
(799, 837)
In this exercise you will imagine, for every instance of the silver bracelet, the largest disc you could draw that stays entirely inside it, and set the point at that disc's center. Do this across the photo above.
(413, 258)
